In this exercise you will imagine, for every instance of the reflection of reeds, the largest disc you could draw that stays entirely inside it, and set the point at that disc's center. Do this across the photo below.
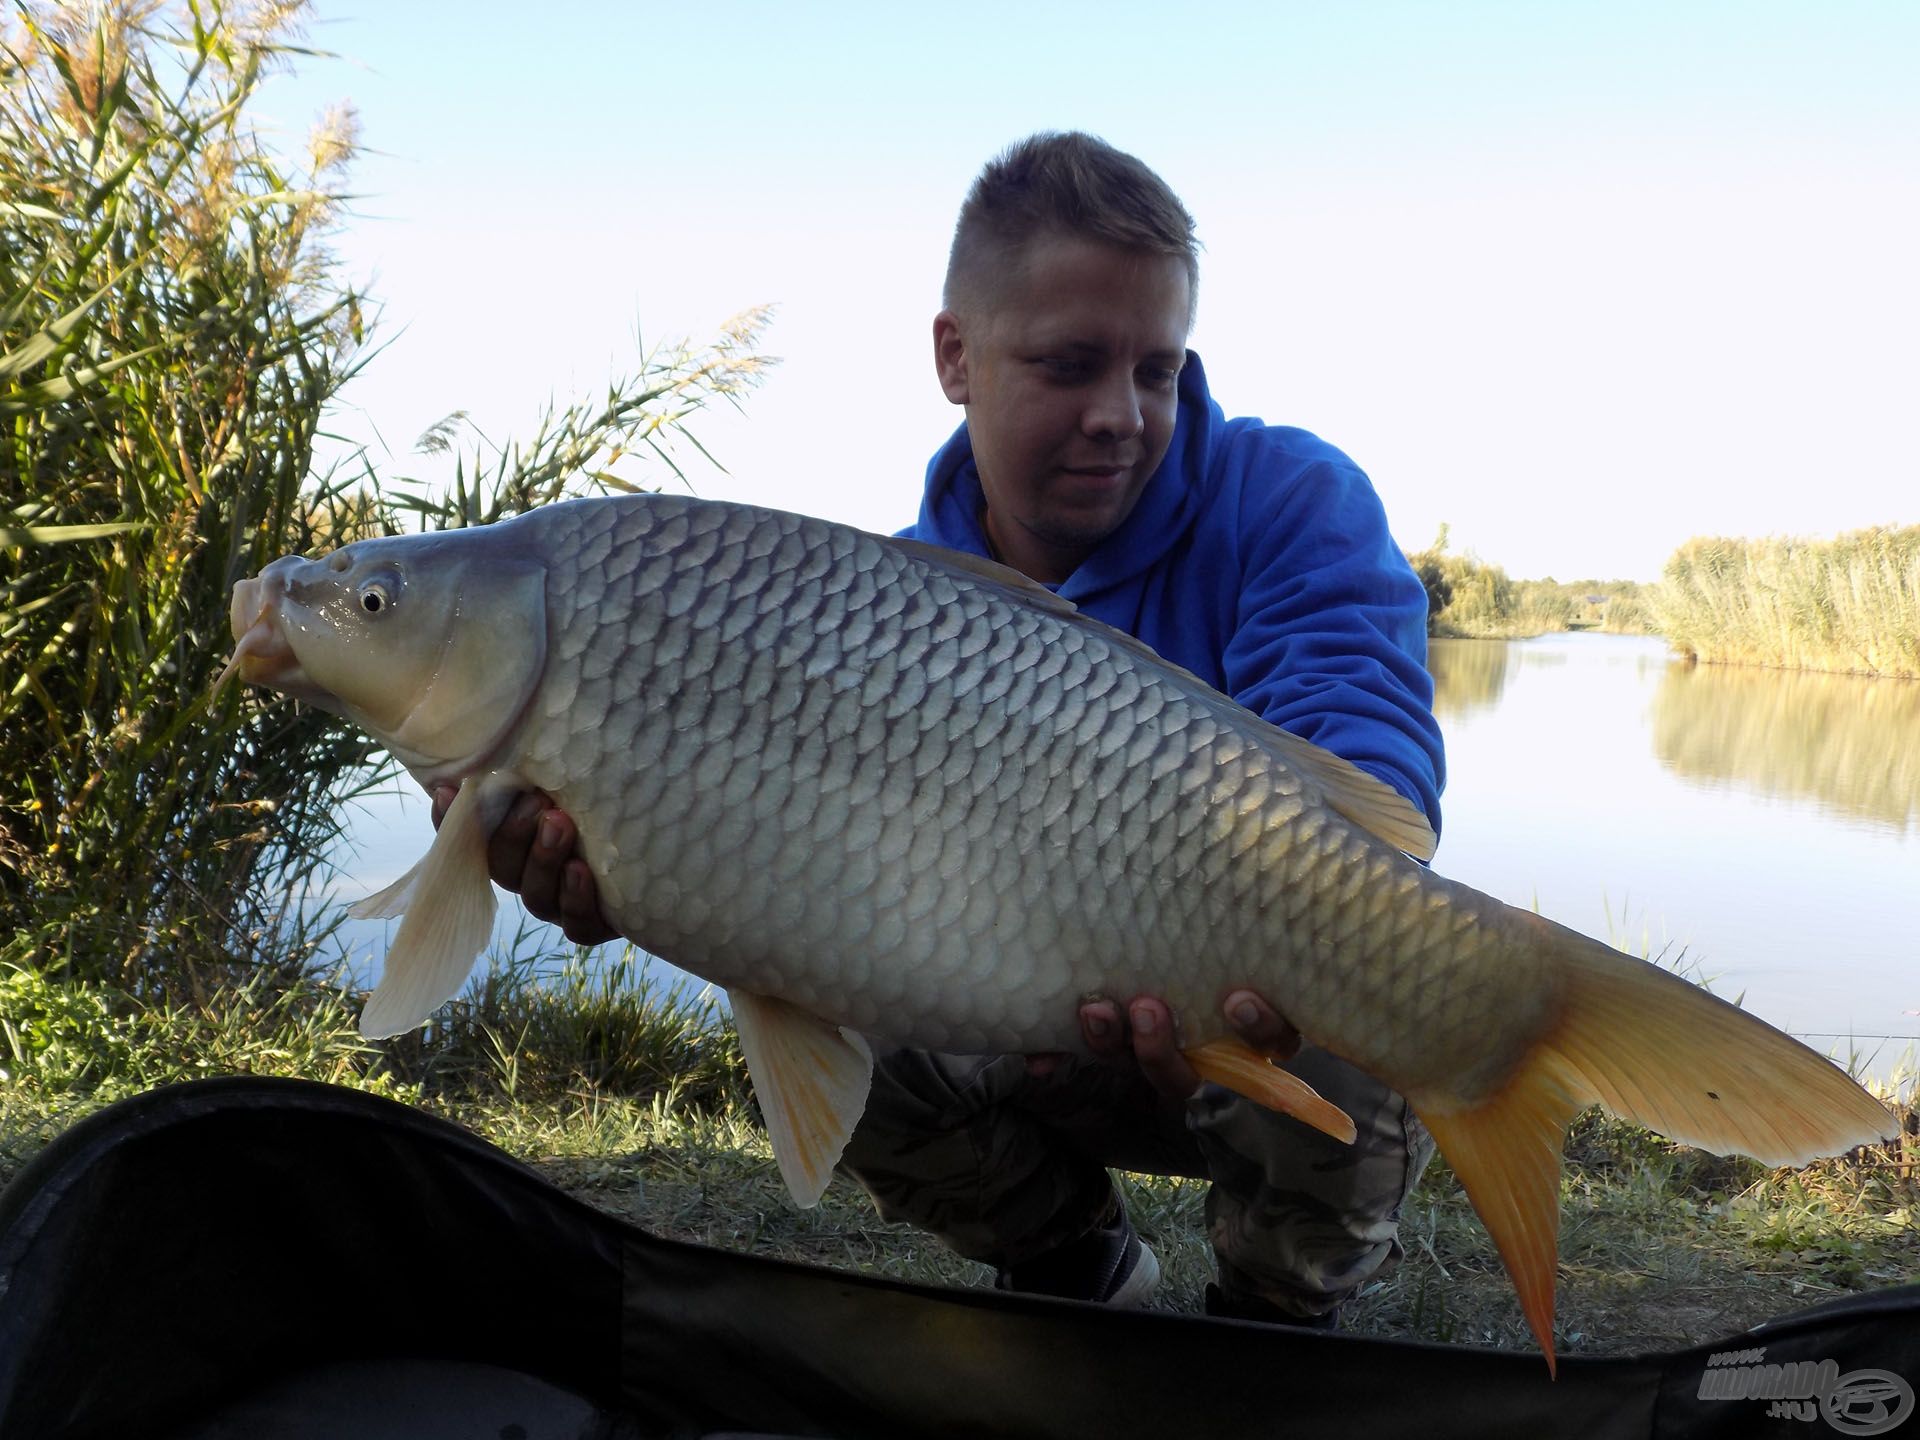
(1851, 742)
(1468, 675)
(1851, 603)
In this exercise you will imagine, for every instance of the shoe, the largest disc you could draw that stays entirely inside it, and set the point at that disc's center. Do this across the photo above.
(1234, 1305)
(1109, 1265)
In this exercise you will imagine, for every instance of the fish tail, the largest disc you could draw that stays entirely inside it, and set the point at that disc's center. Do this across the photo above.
(1654, 1049)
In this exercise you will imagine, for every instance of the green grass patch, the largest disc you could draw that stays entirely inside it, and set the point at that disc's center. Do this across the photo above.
(633, 1098)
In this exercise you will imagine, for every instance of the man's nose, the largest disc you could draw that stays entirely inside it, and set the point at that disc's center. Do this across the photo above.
(1113, 410)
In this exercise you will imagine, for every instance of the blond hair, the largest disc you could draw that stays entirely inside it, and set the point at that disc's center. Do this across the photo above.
(1070, 184)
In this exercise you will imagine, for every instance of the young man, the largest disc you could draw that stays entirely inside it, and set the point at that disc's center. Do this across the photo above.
(1094, 460)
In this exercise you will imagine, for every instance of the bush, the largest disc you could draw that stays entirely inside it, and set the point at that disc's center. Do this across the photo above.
(172, 332)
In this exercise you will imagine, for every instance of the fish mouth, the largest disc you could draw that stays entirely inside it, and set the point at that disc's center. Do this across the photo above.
(262, 654)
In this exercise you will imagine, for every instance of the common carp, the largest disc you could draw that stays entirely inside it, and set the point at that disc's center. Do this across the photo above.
(872, 787)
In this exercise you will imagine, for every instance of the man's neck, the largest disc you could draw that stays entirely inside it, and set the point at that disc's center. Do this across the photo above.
(1020, 549)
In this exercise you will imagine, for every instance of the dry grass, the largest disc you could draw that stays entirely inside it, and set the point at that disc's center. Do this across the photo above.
(1660, 1246)
(1850, 603)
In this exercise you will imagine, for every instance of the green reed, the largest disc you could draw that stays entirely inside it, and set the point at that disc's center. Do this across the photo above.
(1850, 603)
(173, 329)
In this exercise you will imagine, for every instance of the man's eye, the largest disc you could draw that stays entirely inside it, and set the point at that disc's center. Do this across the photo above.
(1160, 377)
(1062, 367)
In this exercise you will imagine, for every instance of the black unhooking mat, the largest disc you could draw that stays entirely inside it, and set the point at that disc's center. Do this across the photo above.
(273, 1259)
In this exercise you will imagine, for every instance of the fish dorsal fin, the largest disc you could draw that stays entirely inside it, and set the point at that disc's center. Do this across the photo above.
(978, 567)
(449, 907)
(1367, 801)
(811, 1078)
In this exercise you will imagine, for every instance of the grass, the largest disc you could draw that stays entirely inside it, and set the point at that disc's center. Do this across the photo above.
(632, 1098)
(1851, 603)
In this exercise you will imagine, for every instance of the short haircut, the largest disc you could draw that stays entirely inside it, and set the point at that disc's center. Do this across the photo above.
(1063, 183)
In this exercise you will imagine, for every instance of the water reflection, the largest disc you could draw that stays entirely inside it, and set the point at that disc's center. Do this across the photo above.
(1849, 742)
(1468, 675)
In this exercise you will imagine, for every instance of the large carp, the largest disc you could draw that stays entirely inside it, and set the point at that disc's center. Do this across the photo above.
(874, 787)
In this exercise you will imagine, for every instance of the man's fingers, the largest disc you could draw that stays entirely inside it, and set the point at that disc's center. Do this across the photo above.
(1157, 1049)
(1103, 1030)
(442, 797)
(1260, 1025)
(580, 913)
(549, 846)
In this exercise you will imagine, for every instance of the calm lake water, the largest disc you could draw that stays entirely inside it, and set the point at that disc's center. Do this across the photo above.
(1761, 826)
(1764, 824)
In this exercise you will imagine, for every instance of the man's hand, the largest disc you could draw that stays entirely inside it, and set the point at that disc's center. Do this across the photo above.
(531, 854)
(1147, 1035)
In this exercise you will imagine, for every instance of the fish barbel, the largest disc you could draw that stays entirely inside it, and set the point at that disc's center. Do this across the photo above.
(872, 787)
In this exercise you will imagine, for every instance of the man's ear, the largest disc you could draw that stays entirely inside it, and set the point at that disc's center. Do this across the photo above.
(950, 356)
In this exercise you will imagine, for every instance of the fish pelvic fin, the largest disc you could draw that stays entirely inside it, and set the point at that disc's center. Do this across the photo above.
(811, 1078)
(1232, 1062)
(1654, 1049)
(449, 905)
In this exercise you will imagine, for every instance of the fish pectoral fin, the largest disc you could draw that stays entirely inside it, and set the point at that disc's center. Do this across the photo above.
(811, 1078)
(391, 902)
(1506, 1151)
(1235, 1064)
(449, 906)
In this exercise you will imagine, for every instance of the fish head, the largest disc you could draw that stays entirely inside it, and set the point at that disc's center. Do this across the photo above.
(433, 644)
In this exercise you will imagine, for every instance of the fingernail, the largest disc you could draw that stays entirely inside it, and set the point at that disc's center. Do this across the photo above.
(1245, 1012)
(1144, 1021)
(576, 882)
(1098, 1026)
(549, 833)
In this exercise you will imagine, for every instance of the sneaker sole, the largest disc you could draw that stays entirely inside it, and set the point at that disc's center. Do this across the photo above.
(1139, 1286)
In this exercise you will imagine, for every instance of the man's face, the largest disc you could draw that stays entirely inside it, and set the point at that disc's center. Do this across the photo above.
(1068, 375)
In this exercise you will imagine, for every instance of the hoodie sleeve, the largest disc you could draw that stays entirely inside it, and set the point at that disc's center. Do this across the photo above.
(1330, 636)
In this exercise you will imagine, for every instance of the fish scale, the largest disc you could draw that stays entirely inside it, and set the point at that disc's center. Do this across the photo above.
(856, 770)
(874, 788)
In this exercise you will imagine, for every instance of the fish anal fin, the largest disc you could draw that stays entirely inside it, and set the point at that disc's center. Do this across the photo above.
(1506, 1151)
(449, 916)
(1235, 1064)
(811, 1078)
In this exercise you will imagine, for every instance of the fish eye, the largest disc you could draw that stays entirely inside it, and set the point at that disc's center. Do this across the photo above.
(376, 596)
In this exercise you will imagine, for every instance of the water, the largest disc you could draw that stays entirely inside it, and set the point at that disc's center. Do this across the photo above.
(1762, 826)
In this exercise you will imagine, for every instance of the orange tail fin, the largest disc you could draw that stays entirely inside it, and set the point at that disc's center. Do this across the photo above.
(1656, 1050)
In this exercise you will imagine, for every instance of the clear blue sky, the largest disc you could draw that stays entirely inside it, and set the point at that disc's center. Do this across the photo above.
(1580, 279)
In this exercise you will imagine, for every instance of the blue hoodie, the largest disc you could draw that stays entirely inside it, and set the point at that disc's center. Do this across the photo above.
(1257, 557)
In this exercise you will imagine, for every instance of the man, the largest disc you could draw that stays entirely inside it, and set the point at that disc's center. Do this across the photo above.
(1094, 460)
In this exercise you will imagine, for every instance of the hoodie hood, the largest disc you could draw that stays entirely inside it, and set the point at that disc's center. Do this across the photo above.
(952, 504)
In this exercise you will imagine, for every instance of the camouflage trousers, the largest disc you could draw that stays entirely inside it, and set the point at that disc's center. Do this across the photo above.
(1001, 1165)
